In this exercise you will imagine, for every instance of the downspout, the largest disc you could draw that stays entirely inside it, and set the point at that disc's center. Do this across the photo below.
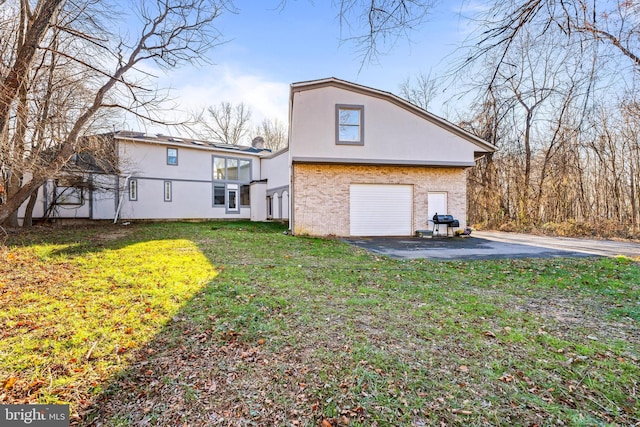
(290, 161)
(126, 181)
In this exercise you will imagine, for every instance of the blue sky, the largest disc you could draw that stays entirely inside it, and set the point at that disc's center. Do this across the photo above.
(267, 48)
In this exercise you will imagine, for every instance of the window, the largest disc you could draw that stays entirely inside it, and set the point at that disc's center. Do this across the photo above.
(172, 156)
(244, 170)
(69, 192)
(133, 189)
(218, 195)
(219, 168)
(350, 124)
(167, 191)
(232, 169)
(231, 177)
(245, 199)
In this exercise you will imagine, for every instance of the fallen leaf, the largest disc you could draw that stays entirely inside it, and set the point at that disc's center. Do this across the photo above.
(326, 423)
(507, 378)
(463, 368)
(8, 384)
(490, 334)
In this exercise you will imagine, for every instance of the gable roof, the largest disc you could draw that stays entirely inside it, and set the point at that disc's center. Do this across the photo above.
(483, 146)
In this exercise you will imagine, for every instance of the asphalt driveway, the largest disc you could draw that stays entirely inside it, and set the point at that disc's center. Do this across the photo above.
(493, 245)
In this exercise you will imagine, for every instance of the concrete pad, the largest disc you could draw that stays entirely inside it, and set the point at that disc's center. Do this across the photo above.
(457, 248)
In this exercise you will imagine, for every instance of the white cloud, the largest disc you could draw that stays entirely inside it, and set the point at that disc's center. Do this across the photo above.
(195, 89)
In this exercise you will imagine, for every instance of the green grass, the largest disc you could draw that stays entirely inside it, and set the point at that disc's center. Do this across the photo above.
(236, 323)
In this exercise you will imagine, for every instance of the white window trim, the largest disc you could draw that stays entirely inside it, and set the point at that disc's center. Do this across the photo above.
(232, 188)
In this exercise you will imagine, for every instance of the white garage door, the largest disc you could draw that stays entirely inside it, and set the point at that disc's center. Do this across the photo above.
(381, 210)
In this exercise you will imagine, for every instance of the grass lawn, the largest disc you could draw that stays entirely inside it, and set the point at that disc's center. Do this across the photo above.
(235, 323)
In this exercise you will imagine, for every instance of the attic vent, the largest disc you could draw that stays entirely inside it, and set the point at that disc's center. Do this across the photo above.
(198, 143)
(176, 140)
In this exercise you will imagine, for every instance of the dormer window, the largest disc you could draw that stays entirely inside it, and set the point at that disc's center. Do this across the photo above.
(350, 124)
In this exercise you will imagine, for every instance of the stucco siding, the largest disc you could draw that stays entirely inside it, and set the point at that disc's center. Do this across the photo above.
(191, 182)
(143, 159)
(276, 170)
(321, 193)
(189, 200)
(391, 132)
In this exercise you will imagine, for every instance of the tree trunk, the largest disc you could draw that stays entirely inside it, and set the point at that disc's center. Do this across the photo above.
(13, 203)
(28, 213)
(15, 79)
(13, 184)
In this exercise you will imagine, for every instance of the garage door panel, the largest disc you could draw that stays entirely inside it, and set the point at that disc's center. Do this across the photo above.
(381, 210)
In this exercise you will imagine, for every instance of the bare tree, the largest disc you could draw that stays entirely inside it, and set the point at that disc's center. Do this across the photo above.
(225, 123)
(538, 97)
(583, 26)
(274, 134)
(171, 32)
(376, 25)
(419, 90)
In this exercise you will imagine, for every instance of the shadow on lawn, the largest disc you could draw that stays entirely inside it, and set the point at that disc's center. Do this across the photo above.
(210, 364)
(178, 374)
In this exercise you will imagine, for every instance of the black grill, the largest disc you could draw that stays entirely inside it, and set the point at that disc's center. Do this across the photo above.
(447, 220)
(443, 219)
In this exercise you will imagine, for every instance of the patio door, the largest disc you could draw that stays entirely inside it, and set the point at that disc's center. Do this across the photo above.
(233, 202)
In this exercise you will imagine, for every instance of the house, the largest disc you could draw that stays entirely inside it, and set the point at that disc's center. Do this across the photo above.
(169, 178)
(367, 163)
(360, 162)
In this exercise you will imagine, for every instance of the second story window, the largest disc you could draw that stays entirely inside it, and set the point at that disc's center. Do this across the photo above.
(172, 156)
(231, 179)
(350, 124)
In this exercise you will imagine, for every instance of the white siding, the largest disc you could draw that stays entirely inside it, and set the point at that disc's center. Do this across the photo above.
(381, 210)
(275, 169)
(191, 182)
(104, 202)
(391, 133)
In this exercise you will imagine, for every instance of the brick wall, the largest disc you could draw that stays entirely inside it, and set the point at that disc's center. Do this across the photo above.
(321, 193)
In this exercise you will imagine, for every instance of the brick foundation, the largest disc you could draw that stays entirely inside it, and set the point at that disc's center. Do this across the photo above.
(321, 193)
